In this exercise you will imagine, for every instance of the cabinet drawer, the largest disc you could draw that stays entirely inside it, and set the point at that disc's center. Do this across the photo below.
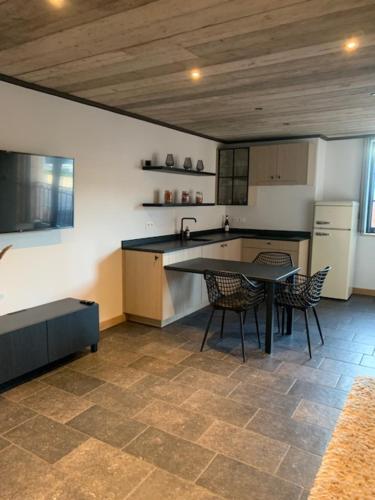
(277, 245)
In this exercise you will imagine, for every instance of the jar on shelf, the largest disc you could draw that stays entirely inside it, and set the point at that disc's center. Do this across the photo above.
(185, 197)
(199, 197)
(168, 197)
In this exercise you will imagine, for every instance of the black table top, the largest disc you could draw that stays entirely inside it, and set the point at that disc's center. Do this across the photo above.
(257, 272)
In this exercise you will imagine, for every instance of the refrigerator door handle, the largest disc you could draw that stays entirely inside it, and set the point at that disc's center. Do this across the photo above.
(322, 234)
(321, 222)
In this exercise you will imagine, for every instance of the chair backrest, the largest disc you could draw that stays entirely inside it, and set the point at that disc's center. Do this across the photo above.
(315, 285)
(274, 259)
(224, 284)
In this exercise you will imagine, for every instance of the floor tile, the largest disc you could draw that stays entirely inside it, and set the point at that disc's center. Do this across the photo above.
(260, 397)
(339, 354)
(117, 399)
(46, 438)
(119, 375)
(25, 476)
(157, 350)
(299, 434)
(157, 367)
(56, 404)
(345, 383)
(171, 453)
(244, 445)
(73, 381)
(23, 390)
(368, 361)
(319, 394)
(238, 481)
(299, 467)
(263, 378)
(199, 379)
(316, 413)
(205, 363)
(342, 368)
(160, 388)
(219, 407)
(349, 346)
(107, 426)
(175, 420)
(256, 359)
(104, 471)
(12, 414)
(162, 485)
(308, 374)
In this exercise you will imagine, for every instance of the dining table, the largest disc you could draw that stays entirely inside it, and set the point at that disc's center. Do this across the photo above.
(270, 275)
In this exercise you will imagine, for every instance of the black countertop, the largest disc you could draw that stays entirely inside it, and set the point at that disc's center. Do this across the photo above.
(172, 243)
(258, 272)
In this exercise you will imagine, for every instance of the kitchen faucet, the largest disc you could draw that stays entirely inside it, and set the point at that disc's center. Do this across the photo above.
(182, 225)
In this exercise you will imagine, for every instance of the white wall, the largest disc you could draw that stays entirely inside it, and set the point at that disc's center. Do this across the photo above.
(85, 262)
(342, 181)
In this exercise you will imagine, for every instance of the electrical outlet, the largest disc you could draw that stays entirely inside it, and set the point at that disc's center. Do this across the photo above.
(149, 225)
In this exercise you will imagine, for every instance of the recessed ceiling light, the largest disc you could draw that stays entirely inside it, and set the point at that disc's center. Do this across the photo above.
(351, 44)
(58, 4)
(195, 74)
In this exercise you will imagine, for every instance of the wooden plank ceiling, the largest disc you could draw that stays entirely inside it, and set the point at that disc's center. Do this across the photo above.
(269, 67)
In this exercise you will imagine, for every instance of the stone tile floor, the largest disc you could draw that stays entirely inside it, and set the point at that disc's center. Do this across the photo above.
(149, 417)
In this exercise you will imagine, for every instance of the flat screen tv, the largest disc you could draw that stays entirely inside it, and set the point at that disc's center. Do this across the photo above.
(36, 192)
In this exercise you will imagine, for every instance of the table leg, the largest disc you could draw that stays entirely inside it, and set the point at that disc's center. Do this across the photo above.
(270, 289)
(289, 320)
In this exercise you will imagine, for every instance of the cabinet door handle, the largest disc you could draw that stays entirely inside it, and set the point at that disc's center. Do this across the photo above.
(272, 176)
(321, 234)
(321, 222)
(279, 177)
(156, 257)
(268, 243)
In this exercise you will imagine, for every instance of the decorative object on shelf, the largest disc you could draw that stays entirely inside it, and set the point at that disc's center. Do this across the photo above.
(4, 251)
(200, 165)
(185, 197)
(199, 197)
(188, 164)
(168, 196)
(169, 160)
(226, 224)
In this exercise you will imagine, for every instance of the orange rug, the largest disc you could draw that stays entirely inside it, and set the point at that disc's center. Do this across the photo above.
(348, 467)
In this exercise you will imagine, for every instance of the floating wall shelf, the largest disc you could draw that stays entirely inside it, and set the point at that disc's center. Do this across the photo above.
(178, 204)
(181, 171)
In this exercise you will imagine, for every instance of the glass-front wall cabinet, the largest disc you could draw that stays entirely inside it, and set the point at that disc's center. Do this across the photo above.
(233, 176)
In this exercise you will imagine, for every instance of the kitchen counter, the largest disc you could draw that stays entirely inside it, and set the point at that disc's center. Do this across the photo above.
(172, 243)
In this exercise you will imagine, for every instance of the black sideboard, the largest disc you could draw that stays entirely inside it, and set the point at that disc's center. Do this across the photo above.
(32, 338)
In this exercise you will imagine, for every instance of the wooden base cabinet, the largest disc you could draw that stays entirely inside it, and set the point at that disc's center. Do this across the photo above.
(299, 250)
(155, 296)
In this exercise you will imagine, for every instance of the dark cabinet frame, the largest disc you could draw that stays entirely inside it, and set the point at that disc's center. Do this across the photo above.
(232, 177)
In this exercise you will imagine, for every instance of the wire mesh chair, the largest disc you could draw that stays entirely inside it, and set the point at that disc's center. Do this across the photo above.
(275, 259)
(233, 292)
(304, 294)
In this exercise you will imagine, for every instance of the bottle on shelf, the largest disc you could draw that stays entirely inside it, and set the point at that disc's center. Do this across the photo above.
(226, 224)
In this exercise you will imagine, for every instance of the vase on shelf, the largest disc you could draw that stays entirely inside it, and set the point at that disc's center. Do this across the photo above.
(169, 160)
(188, 165)
(200, 165)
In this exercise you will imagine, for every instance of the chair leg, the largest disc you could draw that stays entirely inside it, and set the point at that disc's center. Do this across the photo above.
(307, 332)
(283, 321)
(207, 329)
(242, 338)
(257, 325)
(222, 324)
(278, 318)
(318, 323)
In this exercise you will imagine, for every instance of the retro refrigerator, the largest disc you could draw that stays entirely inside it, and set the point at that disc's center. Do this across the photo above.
(333, 244)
